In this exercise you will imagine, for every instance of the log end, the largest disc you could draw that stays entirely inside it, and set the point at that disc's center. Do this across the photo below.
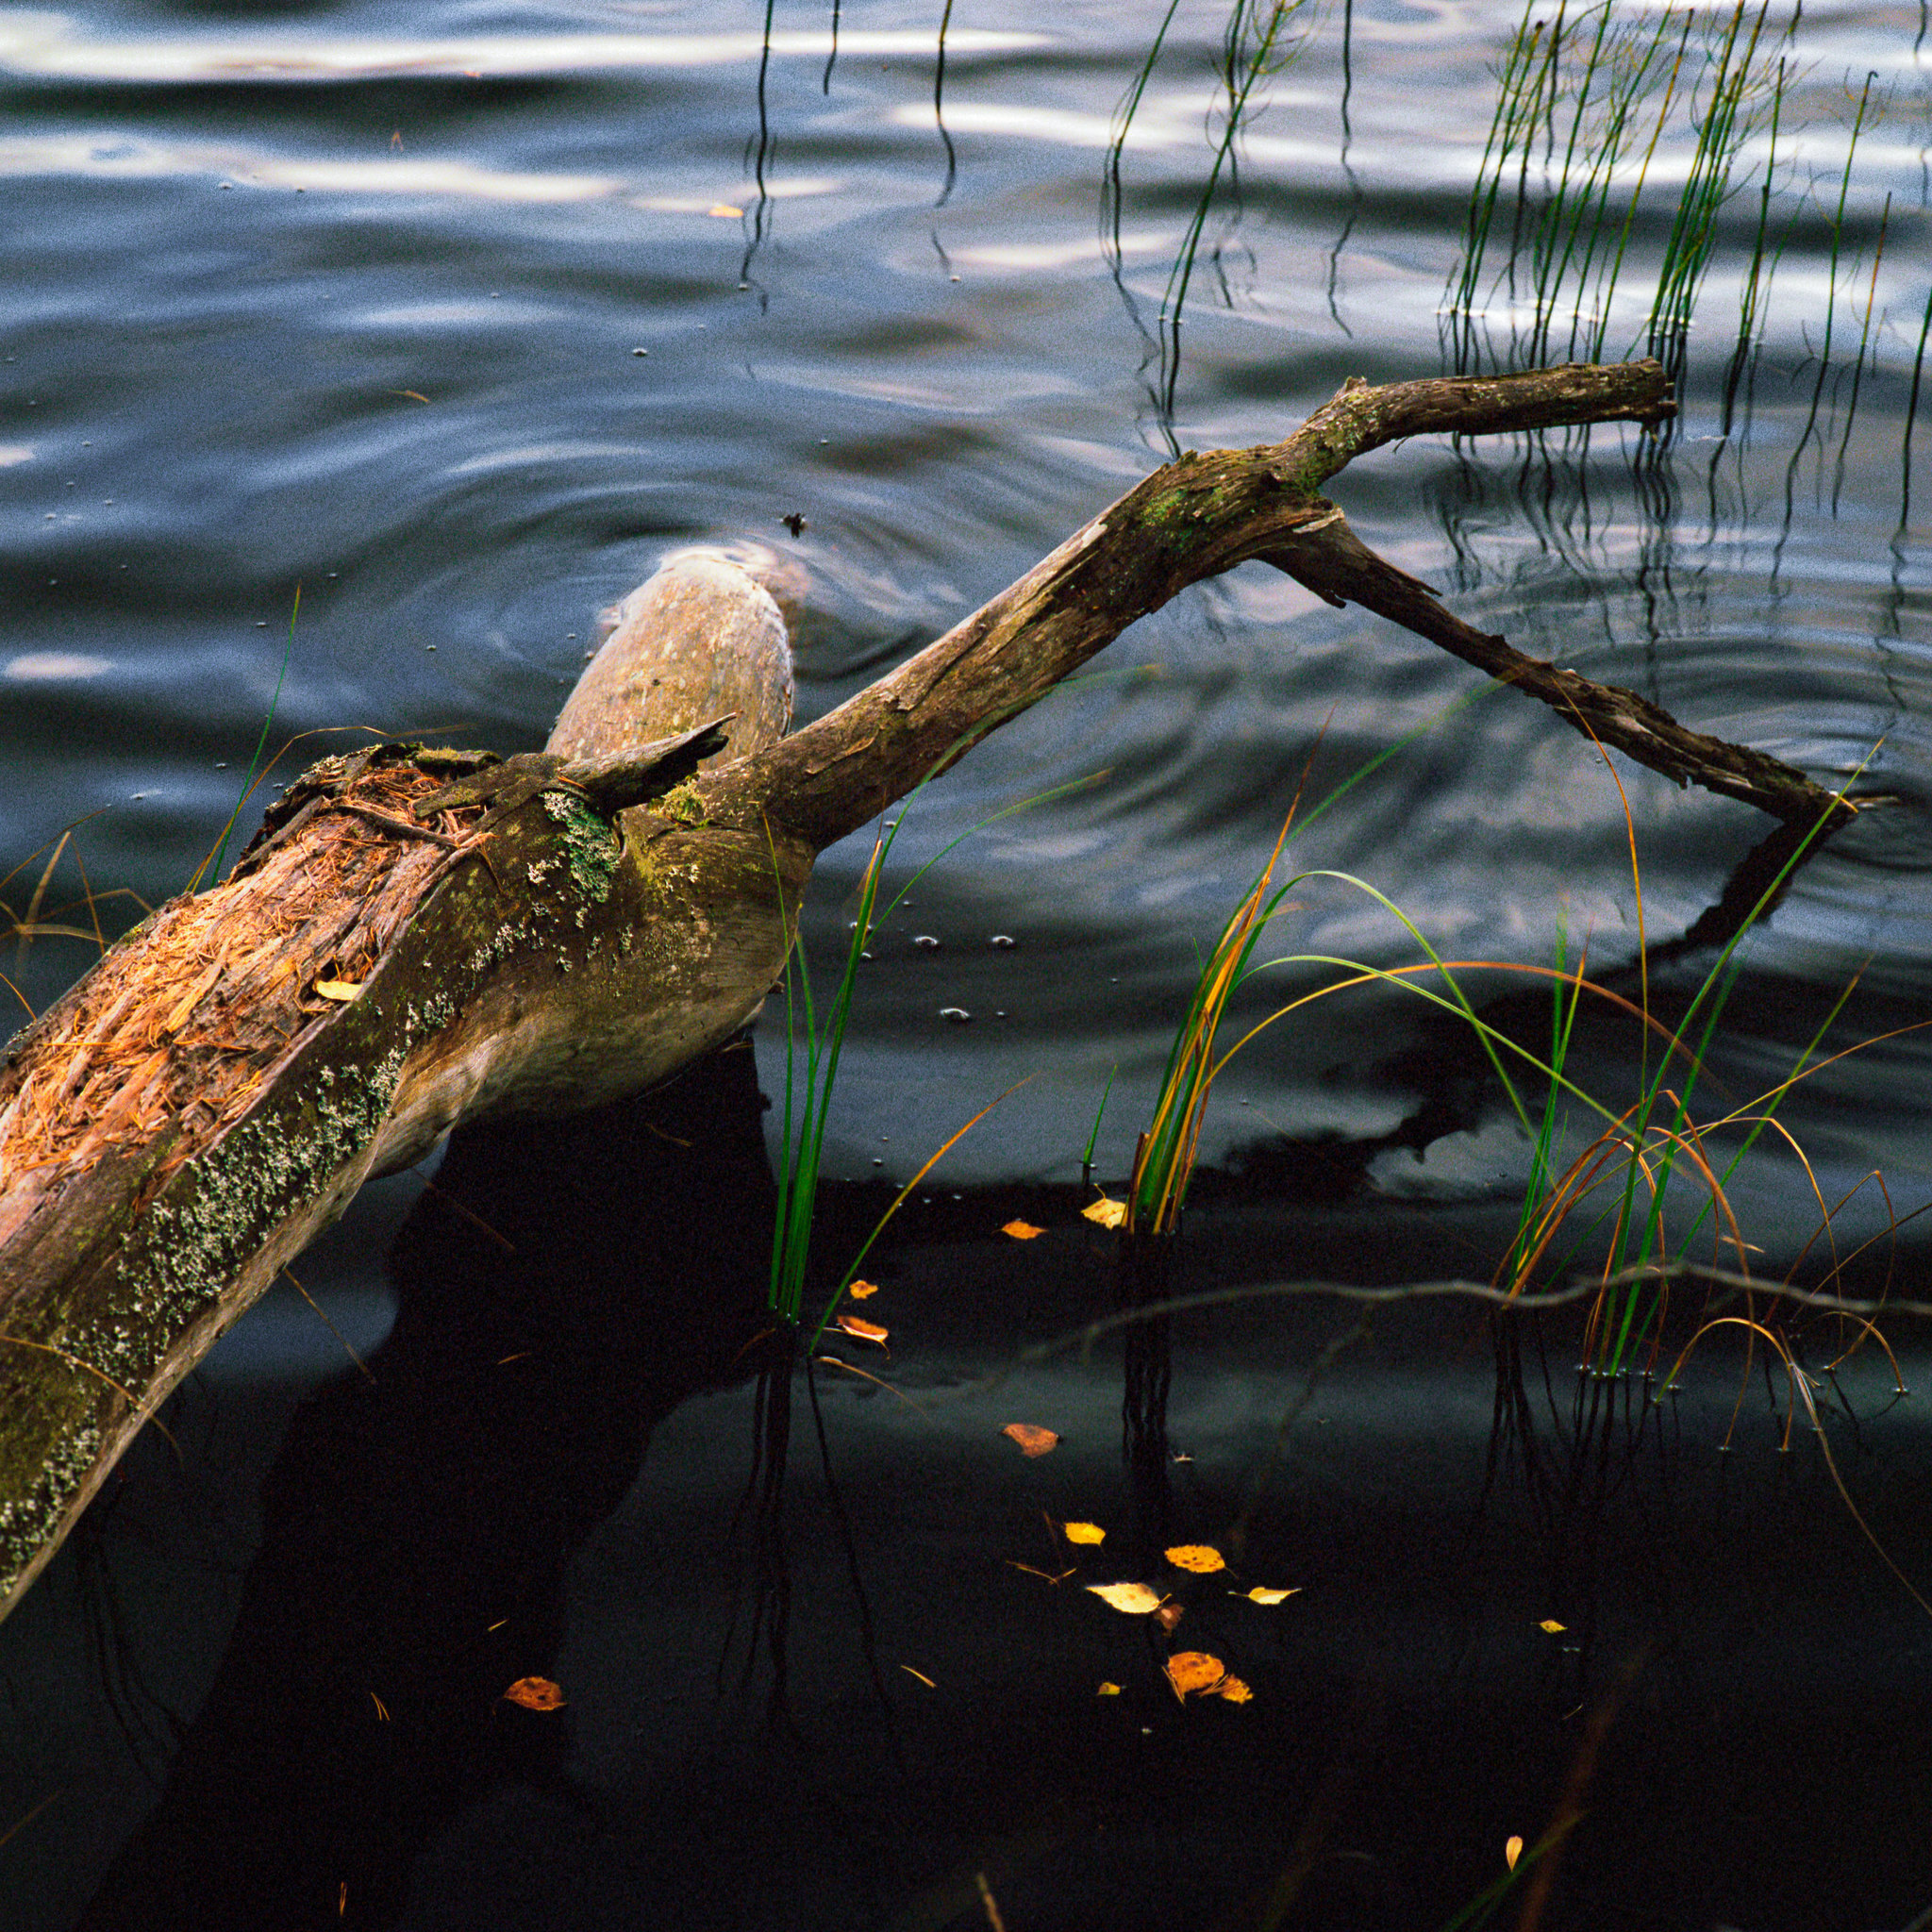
(705, 635)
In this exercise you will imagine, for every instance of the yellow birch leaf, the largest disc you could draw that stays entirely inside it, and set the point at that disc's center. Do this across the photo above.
(1198, 1557)
(1084, 1532)
(724, 210)
(1022, 1230)
(1550, 1624)
(1109, 1690)
(861, 1330)
(1194, 1670)
(1107, 1213)
(535, 1693)
(338, 989)
(1133, 1599)
(1234, 1691)
(1259, 1595)
(860, 1289)
(1513, 1851)
(1032, 1439)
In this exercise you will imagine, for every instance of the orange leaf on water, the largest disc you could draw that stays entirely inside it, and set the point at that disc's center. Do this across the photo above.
(1022, 1230)
(1512, 1850)
(1550, 1624)
(1109, 1690)
(1234, 1691)
(1083, 1532)
(724, 210)
(859, 1290)
(1194, 1670)
(1168, 1615)
(1107, 1213)
(1261, 1594)
(1198, 1557)
(1032, 1439)
(535, 1693)
(861, 1330)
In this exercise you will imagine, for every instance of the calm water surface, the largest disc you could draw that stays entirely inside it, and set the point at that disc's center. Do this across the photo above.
(459, 317)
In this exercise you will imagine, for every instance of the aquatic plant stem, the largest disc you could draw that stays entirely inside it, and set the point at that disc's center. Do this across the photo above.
(211, 866)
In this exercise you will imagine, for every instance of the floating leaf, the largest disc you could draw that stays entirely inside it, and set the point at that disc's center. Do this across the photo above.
(535, 1693)
(861, 1330)
(1084, 1532)
(1259, 1595)
(1109, 1690)
(1032, 1439)
(338, 989)
(1022, 1230)
(859, 1290)
(1134, 1599)
(1191, 1671)
(1513, 1851)
(1107, 1213)
(1168, 1615)
(724, 210)
(1234, 1691)
(1198, 1557)
(1550, 1624)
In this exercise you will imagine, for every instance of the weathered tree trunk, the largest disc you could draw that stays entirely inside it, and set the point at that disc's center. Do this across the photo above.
(178, 1126)
(420, 938)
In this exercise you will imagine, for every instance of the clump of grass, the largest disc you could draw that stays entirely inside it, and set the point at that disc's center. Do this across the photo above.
(1573, 107)
(808, 1100)
(1165, 1154)
(1630, 1162)
(1619, 1183)
(1725, 114)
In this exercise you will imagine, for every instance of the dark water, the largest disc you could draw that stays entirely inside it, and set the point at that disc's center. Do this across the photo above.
(349, 299)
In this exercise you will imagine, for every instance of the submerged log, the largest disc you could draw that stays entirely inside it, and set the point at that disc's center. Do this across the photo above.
(421, 937)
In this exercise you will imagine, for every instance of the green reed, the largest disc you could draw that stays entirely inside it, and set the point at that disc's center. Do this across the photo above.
(815, 1042)
(1584, 102)
(1609, 1199)
(1260, 40)
(1726, 119)
(210, 867)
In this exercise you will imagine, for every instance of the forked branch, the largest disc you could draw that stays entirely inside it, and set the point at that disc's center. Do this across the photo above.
(1204, 514)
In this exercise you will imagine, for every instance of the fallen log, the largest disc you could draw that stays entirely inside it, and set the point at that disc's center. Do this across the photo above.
(419, 937)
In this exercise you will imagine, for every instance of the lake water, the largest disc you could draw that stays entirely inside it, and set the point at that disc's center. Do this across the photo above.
(459, 319)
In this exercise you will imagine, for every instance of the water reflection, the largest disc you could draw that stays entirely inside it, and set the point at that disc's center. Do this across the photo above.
(55, 45)
(560, 1290)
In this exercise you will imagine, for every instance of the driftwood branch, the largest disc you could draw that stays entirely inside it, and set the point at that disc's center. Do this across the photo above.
(423, 937)
(1198, 517)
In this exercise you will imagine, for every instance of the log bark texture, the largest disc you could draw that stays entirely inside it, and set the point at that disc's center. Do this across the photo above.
(177, 1127)
(420, 938)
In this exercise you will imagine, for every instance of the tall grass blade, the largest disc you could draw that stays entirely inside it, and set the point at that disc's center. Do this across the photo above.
(210, 867)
